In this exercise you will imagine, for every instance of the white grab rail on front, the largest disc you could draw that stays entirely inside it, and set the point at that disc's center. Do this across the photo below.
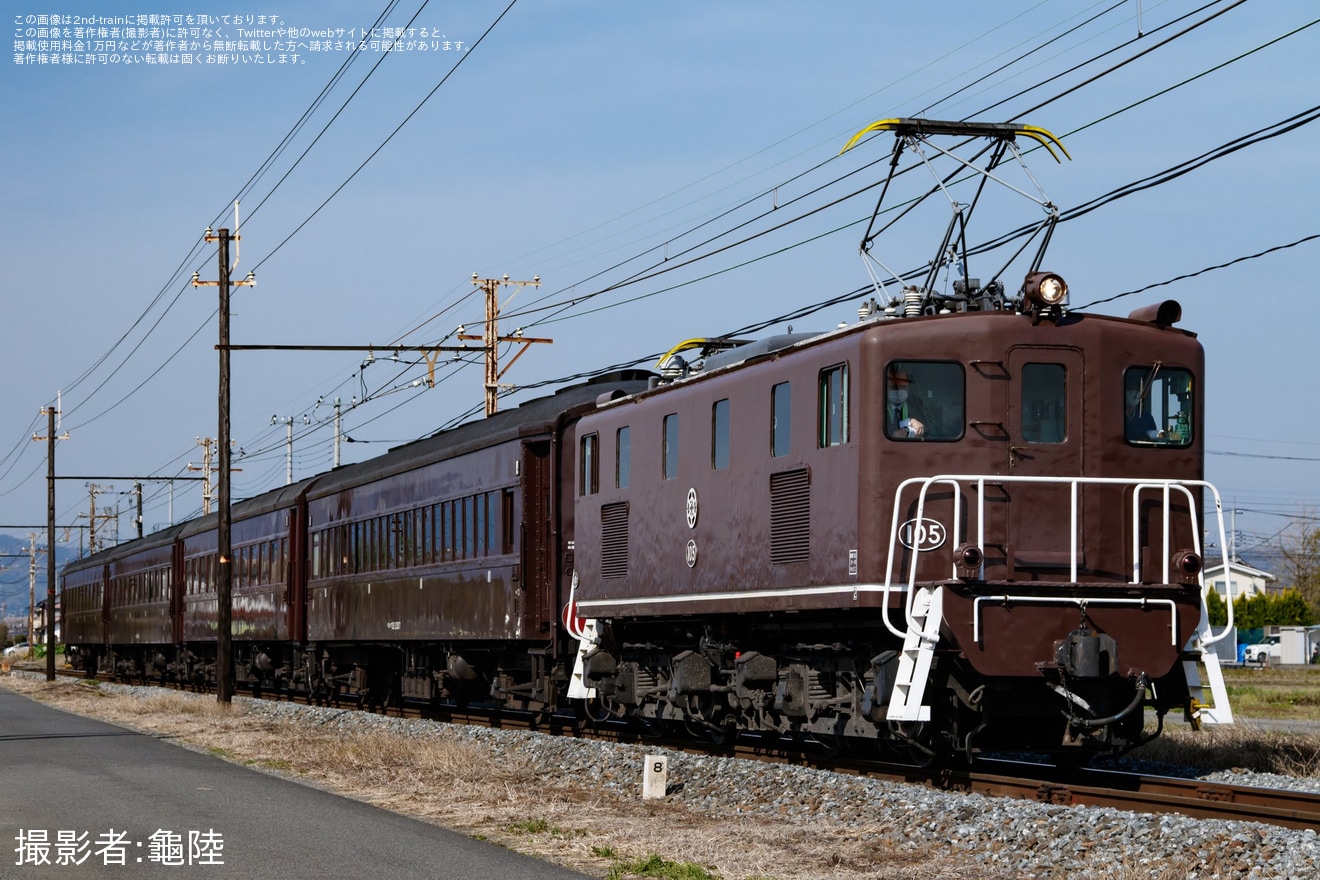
(1139, 485)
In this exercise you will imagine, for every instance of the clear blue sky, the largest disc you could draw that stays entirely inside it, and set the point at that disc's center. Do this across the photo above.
(584, 142)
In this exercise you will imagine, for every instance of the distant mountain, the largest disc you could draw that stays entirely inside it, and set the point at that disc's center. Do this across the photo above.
(15, 563)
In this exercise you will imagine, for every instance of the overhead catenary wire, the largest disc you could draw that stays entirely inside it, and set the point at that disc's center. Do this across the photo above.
(320, 97)
(457, 64)
(256, 176)
(199, 243)
(844, 296)
(764, 193)
(668, 265)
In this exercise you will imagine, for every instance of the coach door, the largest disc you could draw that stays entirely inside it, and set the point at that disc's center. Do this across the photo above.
(538, 574)
(1045, 418)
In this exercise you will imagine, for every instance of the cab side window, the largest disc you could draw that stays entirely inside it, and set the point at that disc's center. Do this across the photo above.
(925, 400)
(832, 414)
(669, 445)
(781, 419)
(589, 465)
(1158, 405)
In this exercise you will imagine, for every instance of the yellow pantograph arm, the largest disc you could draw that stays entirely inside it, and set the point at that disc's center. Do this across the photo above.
(708, 345)
(1045, 138)
(882, 125)
(968, 129)
(685, 345)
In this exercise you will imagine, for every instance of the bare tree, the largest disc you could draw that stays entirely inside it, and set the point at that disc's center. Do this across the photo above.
(1299, 550)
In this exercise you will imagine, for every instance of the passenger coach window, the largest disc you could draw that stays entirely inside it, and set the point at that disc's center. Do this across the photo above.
(506, 522)
(924, 400)
(670, 441)
(719, 435)
(1157, 406)
(1044, 403)
(622, 457)
(781, 419)
(832, 419)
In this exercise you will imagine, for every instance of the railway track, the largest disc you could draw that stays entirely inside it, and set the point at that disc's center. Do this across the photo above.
(1146, 794)
(990, 777)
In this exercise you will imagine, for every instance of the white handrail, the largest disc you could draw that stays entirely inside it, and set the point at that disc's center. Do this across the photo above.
(1139, 485)
(912, 574)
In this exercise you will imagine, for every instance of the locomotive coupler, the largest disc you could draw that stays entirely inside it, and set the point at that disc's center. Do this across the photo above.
(1086, 653)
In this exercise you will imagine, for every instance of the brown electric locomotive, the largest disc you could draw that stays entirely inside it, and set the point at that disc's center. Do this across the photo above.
(946, 530)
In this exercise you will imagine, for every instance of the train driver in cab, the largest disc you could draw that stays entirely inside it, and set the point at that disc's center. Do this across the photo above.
(899, 422)
(1138, 422)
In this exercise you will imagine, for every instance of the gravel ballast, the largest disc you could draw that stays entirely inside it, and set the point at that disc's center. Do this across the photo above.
(1004, 837)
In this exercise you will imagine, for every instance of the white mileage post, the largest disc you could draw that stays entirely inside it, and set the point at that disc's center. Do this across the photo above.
(655, 777)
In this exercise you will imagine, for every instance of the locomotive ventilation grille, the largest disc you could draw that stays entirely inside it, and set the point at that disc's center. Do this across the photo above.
(614, 540)
(790, 516)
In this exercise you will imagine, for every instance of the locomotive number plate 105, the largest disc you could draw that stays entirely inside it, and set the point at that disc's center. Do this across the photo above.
(922, 534)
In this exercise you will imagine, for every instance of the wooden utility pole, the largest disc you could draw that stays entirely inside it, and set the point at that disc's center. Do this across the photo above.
(31, 557)
(224, 671)
(492, 338)
(337, 429)
(205, 443)
(137, 490)
(50, 438)
(94, 489)
(288, 423)
(32, 589)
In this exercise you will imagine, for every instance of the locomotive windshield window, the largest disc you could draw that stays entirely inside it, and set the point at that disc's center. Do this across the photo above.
(670, 446)
(833, 415)
(924, 400)
(622, 457)
(1157, 406)
(780, 419)
(719, 435)
(1044, 403)
(589, 465)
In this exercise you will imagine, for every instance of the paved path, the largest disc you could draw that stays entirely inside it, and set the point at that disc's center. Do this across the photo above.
(64, 773)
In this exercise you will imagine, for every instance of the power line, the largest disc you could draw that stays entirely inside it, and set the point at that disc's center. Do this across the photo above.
(465, 56)
(332, 196)
(1215, 268)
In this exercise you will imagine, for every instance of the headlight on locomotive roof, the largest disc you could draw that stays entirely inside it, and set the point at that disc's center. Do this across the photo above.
(1046, 288)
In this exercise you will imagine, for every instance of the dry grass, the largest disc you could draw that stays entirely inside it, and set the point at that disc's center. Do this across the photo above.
(567, 821)
(1243, 746)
